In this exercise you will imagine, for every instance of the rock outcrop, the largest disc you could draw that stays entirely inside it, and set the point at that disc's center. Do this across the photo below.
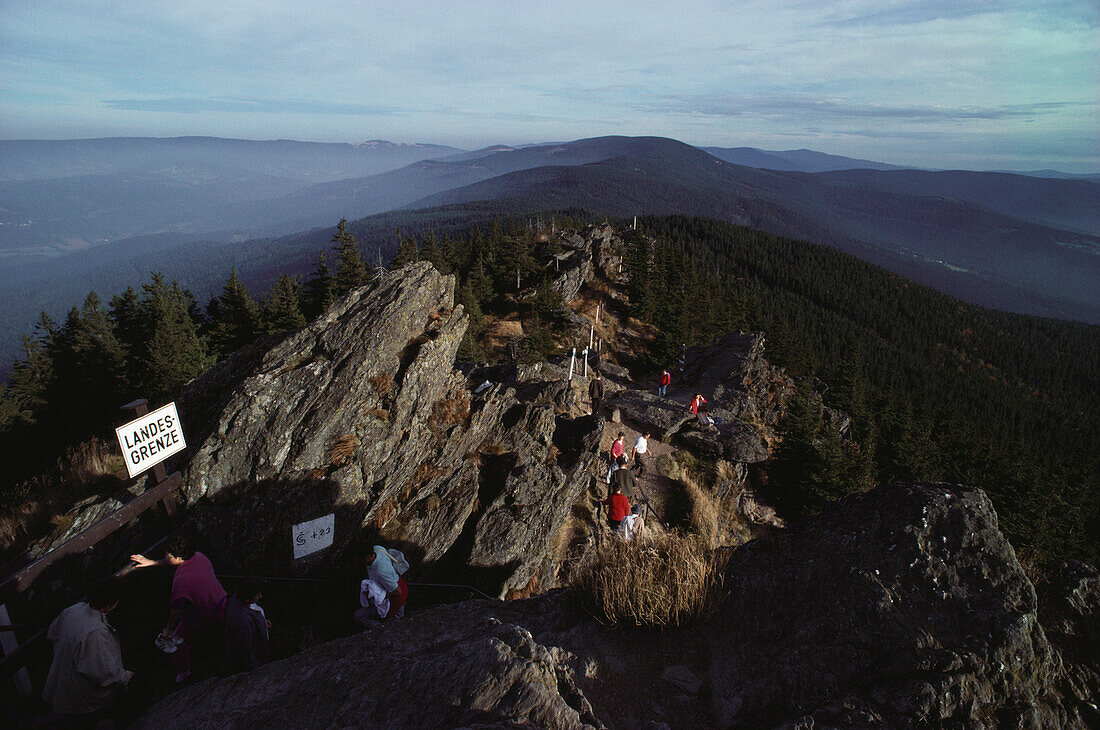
(362, 414)
(901, 608)
(455, 666)
(904, 607)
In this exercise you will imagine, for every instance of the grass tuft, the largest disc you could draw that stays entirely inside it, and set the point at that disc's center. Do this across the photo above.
(662, 581)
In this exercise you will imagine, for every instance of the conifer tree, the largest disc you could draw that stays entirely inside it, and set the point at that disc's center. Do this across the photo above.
(436, 252)
(318, 291)
(124, 313)
(282, 310)
(173, 352)
(29, 379)
(350, 271)
(809, 469)
(408, 251)
(89, 369)
(236, 321)
(469, 350)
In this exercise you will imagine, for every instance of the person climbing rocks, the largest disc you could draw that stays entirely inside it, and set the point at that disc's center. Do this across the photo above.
(663, 381)
(617, 447)
(640, 455)
(618, 507)
(623, 479)
(613, 454)
(385, 567)
(198, 599)
(247, 630)
(698, 408)
(615, 466)
(633, 525)
(87, 679)
(595, 392)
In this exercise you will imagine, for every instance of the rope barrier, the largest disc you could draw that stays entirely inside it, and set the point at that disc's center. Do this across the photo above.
(349, 581)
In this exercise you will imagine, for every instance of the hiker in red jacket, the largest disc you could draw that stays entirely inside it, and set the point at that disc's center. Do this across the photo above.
(698, 403)
(618, 507)
(663, 383)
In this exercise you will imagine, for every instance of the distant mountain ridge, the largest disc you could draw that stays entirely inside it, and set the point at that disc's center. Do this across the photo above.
(1004, 240)
(794, 160)
(974, 252)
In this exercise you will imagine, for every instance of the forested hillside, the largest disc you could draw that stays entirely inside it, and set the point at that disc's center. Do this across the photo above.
(937, 389)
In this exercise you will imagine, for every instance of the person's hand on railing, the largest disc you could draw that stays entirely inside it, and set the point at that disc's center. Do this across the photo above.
(144, 562)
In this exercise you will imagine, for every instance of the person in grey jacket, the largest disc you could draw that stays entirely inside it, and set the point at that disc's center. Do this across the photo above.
(86, 675)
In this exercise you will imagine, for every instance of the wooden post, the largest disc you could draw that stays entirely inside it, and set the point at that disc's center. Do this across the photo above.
(586, 362)
(572, 359)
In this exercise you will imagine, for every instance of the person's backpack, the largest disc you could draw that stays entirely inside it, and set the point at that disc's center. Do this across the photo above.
(400, 562)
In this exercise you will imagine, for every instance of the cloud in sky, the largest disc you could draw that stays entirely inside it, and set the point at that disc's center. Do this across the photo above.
(723, 73)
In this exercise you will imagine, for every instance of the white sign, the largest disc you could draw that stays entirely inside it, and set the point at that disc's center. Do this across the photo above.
(151, 439)
(309, 537)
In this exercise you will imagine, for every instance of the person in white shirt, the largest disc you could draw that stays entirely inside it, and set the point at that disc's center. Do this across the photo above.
(633, 525)
(86, 676)
(641, 453)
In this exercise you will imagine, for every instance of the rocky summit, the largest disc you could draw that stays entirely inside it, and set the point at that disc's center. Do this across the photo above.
(363, 414)
(904, 607)
(901, 608)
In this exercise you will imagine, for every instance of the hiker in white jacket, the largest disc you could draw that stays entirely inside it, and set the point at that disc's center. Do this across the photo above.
(87, 673)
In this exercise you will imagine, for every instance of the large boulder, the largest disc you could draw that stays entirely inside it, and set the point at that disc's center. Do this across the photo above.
(660, 416)
(1069, 612)
(362, 414)
(573, 270)
(903, 607)
(457, 666)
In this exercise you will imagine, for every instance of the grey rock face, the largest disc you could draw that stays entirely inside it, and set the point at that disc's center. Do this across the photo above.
(575, 270)
(1069, 612)
(737, 380)
(901, 608)
(606, 250)
(448, 668)
(906, 600)
(658, 415)
(362, 414)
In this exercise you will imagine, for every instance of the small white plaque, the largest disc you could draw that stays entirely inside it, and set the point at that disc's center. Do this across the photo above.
(151, 439)
(309, 537)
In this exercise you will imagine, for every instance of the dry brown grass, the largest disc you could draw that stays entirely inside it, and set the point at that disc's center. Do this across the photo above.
(660, 581)
(449, 412)
(380, 413)
(424, 473)
(382, 384)
(343, 449)
(552, 454)
(495, 449)
(39, 502)
(703, 512)
(383, 514)
(474, 457)
(530, 589)
(89, 461)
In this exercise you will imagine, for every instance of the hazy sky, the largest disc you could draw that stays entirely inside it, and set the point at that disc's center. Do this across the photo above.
(946, 83)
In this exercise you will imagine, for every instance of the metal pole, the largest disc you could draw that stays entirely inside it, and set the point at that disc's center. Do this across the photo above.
(585, 362)
(591, 335)
(598, 312)
(572, 359)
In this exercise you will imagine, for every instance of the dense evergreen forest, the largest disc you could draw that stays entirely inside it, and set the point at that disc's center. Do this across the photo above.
(937, 389)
